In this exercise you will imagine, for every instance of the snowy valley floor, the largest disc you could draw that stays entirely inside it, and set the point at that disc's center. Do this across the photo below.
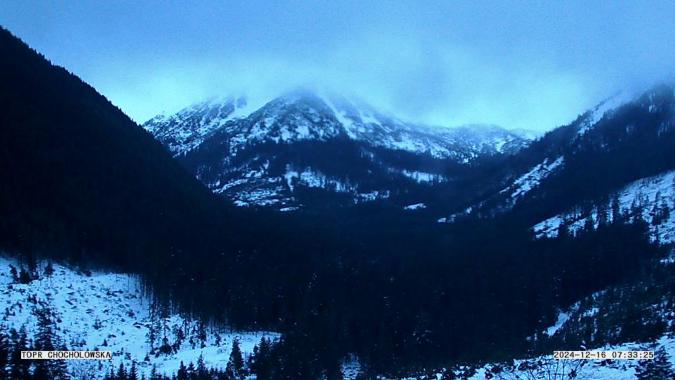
(549, 369)
(108, 312)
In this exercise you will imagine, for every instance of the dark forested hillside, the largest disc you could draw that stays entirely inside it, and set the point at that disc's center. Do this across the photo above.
(80, 181)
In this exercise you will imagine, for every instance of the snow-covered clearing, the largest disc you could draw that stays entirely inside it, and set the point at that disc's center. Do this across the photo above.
(108, 312)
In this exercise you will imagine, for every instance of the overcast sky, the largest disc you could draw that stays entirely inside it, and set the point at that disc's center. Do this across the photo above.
(519, 64)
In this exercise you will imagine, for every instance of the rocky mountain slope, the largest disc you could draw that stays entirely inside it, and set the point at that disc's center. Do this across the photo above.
(621, 140)
(305, 143)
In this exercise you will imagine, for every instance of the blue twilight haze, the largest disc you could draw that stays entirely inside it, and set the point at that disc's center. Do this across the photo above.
(519, 64)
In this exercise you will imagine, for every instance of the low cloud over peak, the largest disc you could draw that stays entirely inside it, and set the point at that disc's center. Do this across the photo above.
(519, 65)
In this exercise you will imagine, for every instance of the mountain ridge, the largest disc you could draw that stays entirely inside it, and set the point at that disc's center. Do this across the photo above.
(253, 157)
(600, 146)
(343, 116)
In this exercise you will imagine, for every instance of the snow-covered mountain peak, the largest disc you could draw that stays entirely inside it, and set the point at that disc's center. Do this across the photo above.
(325, 115)
(321, 141)
(187, 128)
(308, 115)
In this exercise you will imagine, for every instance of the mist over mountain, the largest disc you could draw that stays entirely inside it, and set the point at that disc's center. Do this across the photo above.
(535, 67)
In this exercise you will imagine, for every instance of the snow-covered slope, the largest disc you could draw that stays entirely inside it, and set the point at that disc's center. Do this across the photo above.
(303, 115)
(607, 106)
(109, 312)
(323, 142)
(530, 180)
(598, 150)
(187, 129)
(652, 198)
(547, 368)
(515, 190)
